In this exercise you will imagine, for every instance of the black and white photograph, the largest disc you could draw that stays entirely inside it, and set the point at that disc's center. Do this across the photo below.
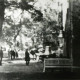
(39, 39)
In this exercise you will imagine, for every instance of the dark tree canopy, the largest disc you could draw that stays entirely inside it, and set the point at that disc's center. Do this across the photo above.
(24, 5)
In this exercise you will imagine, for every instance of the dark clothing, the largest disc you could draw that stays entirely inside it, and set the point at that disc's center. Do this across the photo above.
(16, 54)
(27, 58)
(32, 52)
(12, 54)
(27, 62)
(1, 56)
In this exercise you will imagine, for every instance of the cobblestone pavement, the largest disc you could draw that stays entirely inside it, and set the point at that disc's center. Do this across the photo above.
(17, 70)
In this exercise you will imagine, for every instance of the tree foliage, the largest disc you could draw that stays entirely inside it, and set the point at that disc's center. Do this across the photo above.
(46, 17)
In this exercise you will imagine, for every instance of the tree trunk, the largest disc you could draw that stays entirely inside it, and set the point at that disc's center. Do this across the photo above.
(1, 15)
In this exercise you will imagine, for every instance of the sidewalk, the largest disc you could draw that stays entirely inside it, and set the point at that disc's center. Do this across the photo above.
(17, 70)
(19, 65)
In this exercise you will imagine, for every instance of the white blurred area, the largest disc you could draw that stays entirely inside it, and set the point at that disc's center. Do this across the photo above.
(41, 5)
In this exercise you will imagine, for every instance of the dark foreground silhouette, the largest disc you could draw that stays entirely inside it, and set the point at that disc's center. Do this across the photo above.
(39, 76)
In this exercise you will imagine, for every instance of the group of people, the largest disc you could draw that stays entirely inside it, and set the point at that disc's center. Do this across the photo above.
(12, 54)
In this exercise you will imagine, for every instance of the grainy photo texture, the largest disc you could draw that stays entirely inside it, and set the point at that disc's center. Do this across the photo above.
(39, 39)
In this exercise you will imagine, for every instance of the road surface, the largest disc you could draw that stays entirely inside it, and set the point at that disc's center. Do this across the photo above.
(17, 70)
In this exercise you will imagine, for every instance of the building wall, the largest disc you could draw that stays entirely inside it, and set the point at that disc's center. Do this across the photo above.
(75, 9)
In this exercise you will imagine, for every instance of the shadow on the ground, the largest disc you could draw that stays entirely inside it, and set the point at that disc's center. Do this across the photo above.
(34, 72)
(40, 76)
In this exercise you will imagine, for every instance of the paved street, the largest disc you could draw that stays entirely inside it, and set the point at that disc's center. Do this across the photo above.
(17, 70)
(20, 66)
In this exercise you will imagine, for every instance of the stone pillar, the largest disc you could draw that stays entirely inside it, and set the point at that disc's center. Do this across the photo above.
(47, 51)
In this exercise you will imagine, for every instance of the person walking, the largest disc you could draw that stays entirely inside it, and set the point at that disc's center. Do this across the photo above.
(27, 57)
(1, 55)
(12, 54)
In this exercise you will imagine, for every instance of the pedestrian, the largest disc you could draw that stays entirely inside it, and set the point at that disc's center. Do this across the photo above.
(12, 54)
(16, 54)
(27, 57)
(1, 55)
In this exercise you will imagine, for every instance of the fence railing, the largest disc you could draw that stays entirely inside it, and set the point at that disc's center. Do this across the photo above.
(57, 63)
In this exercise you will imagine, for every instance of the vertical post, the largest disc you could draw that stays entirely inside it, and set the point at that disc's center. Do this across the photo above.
(2, 7)
(62, 30)
(44, 66)
(71, 24)
(21, 46)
